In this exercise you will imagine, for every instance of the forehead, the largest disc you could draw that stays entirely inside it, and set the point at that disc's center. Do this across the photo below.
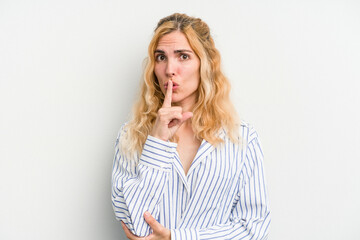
(174, 40)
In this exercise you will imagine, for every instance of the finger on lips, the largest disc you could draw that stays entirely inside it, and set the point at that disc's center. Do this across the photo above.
(168, 95)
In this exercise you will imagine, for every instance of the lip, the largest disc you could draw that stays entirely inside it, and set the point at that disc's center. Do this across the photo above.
(175, 85)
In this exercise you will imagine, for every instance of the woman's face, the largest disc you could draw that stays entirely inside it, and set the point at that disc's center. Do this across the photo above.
(176, 60)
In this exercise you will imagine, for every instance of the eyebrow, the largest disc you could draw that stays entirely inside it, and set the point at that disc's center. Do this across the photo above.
(182, 50)
(176, 51)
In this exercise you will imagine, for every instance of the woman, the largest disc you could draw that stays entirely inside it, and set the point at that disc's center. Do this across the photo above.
(184, 168)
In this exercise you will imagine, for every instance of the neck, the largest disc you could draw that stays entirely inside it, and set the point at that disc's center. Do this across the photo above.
(185, 130)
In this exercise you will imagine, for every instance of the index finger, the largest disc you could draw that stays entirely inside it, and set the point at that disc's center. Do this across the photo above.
(168, 95)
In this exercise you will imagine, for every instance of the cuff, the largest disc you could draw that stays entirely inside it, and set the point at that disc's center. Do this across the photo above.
(184, 233)
(158, 153)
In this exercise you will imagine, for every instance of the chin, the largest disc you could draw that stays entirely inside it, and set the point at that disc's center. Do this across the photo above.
(176, 100)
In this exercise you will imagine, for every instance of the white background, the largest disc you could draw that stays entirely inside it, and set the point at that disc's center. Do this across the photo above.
(69, 73)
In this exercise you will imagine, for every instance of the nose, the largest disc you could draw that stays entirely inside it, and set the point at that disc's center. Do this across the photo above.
(170, 68)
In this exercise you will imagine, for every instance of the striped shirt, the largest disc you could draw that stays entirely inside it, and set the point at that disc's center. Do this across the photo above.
(223, 195)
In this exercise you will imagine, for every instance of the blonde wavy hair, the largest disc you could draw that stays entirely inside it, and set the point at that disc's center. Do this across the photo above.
(213, 110)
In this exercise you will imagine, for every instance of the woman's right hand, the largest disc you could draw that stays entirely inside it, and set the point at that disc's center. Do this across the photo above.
(169, 118)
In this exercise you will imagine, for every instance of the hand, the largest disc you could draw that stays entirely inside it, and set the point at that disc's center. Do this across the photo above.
(159, 231)
(169, 118)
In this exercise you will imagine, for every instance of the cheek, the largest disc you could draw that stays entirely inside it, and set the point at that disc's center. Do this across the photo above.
(159, 77)
(156, 71)
(159, 73)
(194, 73)
(194, 68)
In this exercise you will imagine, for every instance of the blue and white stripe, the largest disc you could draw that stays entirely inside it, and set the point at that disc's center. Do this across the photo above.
(223, 196)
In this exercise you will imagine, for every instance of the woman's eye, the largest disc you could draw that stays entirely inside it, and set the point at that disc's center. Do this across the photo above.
(184, 57)
(160, 58)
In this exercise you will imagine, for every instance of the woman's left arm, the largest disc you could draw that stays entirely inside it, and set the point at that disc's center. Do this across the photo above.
(250, 218)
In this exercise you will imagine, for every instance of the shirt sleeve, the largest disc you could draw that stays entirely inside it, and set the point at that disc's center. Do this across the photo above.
(250, 218)
(138, 185)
